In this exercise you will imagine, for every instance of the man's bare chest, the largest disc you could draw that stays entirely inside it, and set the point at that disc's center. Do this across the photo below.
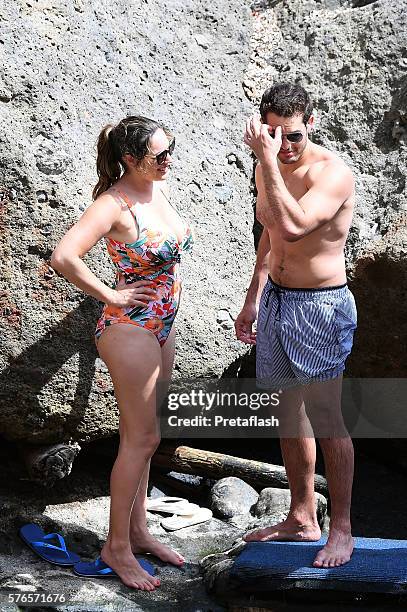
(296, 184)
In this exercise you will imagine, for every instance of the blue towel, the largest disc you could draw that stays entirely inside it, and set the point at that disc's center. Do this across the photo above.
(378, 562)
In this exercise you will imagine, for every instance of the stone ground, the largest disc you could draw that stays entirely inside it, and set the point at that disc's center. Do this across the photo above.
(79, 507)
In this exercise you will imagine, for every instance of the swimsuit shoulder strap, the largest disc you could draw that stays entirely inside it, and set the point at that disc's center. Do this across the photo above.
(172, 205)
(130, 205)
(165, 196)
(123, 197)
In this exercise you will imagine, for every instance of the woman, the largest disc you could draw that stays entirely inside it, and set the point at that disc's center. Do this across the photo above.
(145, 238)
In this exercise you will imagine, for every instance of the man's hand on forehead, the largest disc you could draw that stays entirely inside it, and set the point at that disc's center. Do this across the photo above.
(258, 137)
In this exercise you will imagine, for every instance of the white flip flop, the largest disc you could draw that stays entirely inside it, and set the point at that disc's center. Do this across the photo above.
(171, 505)
(172, 523)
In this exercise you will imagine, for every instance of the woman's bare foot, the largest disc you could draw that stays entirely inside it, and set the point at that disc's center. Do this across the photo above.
(144, 542)
(289, 530)
(338, 549)
(126, 566)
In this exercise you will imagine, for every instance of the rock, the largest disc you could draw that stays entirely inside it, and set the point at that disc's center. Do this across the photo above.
(203, 41)
(55, 99)
(6, 95)
(272, 501)
(276, 503)
(48, 464)
(379, 284)
(224, 319)
(79, 509)
(242, 522)
(223, 193)
(232, 496)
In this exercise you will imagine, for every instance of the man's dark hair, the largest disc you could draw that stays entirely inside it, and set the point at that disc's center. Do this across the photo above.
(286, 100)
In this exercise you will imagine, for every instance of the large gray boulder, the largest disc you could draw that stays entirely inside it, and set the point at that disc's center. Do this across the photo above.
(232, 496)
(276, 502)
(70, 68)
(66, 70)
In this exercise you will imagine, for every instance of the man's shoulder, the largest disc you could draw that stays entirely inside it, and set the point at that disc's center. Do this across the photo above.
(329, 167)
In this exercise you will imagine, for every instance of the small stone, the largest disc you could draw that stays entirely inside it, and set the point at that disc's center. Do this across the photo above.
(42, 196)
(6, 95)
(232, 496)
(189, 479)
(51, 164)
(50, 273)
(46, 230)
(49, 159)
(224, 319)
(203, 41)
(249, 84)
(399, 132)
(223, 193)
(219, 123)
(78, 6)
(100, 365)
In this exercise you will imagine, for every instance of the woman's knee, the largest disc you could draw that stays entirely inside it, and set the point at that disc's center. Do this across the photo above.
(144, 444)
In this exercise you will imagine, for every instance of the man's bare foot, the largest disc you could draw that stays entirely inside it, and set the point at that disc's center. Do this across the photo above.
(337, 551)
(290, 530)
(144, 542)
(126, 566)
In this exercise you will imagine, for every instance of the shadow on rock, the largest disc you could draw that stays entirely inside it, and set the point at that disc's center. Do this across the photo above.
(24, 418)
(393, 127)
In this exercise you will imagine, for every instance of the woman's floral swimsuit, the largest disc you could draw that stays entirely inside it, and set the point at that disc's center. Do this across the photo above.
(154, 256)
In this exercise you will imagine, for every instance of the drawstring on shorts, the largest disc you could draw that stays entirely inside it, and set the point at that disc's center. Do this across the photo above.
(278, 292)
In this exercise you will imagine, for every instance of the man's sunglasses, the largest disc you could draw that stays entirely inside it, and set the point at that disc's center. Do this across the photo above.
(161, 157)
(291, 136)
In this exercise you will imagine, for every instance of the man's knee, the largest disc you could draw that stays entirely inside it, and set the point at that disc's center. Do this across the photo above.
(326, 418)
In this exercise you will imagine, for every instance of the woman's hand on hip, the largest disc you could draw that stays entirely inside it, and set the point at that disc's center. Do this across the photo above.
(138, 293)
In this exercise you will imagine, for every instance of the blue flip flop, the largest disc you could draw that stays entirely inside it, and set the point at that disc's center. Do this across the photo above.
(40, 543)
(99, 569)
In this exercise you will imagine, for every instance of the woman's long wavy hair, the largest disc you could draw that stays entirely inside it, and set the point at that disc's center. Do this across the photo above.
(131, 136)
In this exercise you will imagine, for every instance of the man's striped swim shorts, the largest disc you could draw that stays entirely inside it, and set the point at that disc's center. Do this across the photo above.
(303, 335)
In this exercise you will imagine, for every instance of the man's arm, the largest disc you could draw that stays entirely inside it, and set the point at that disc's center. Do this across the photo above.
(297, 218)
(248, 314)
(260, 271)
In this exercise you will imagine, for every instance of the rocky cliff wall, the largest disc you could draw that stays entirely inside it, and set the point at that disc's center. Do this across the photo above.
(69, 67)
(66, 69)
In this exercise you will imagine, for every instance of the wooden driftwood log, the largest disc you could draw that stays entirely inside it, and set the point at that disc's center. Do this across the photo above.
(47, 464)
(216, 465)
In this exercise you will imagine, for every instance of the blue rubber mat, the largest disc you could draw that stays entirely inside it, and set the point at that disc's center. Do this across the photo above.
(376, 565)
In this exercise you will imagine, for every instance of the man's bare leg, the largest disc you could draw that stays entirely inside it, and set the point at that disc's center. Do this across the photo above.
(298, 450)
(323, 402)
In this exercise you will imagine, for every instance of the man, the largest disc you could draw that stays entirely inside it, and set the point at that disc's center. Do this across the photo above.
(306, 315)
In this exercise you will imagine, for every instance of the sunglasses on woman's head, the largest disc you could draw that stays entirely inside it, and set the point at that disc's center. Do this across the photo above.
(161, 157)
(291, 136)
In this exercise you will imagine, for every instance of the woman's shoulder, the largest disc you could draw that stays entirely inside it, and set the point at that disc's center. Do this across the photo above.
(112, 198)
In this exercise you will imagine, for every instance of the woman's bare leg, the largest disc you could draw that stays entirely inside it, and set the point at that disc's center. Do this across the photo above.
(134, 378)
(141, 539)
